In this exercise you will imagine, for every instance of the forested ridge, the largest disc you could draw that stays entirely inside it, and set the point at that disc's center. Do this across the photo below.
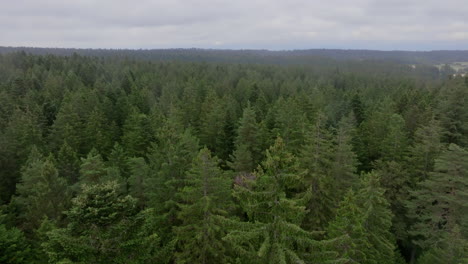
(121, 160)
(307, 56)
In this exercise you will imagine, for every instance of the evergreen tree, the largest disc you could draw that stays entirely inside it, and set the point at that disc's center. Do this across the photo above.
(242, 161)
(349, 229)
(441, 201)
(136, 134)
(119, 167)
(97, 132)
(275, 212)
(67, 127)
(378, 219)
(41, 192)
(453, 249)
(105, 227)
(362, 225)
(394, 144)
(68, 163)
(205, 197)
(247, 142)
(291, 123)
(169, 160)
(138, 179)
(427, 147)
(92, 169)
(14, 249)
(316, 158)
(213, 124)
(344, 164)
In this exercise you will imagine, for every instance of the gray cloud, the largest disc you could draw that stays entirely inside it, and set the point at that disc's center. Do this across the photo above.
(271, 24)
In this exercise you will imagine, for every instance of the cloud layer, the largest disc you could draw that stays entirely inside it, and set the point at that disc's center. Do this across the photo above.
(265, 24)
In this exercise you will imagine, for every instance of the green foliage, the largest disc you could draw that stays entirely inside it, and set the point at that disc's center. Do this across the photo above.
(205, 198)
(427, 146)
(275, 212)
(169, 160)
(317, 159)
(453, 249)
(136, 134)
(122, 136)
(92, 169)
(68, 163)
(248, 142)
(14, 249)
(362, 225)
(344, 166)
(41, 192)
(441, 201)
(348, 227)
(105, 227)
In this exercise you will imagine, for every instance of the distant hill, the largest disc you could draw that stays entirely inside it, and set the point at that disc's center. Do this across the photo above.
(259, 56)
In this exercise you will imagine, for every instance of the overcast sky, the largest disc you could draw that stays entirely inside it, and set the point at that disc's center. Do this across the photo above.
(236, 24)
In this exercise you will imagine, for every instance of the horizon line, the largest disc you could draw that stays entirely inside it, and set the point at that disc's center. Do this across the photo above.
(231, 49)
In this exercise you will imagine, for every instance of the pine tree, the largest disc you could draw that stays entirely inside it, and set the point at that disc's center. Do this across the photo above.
(68, 126)
(205, 197)
(344, 164)
(290, 123)
(453, 110)
(362, 225)
(378, 219)
(242, 161)
(92, 169)
(119, 167)
(169, 160)
(97, 132)
(136, 134)
(41, 192)
(139, 172)
(213, 124)
(394, 144)
(317, 158)
(275, 211)
(68, 163)
(247, 141)
(14, 249)
(349, 231)
(105, 227)
(441, 201)
(427, 147)
(453, 249)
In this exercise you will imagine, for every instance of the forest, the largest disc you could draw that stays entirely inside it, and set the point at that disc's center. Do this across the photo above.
(120, 159)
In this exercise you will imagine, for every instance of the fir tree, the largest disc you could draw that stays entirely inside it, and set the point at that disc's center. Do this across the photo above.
(105, 227)
(92, 169)
(453, 249)
(14, 249)
(247, 141)
(316, 158)
(441, 201)
(205, 197)
(68, 163)
(41, 192)
(344, 164)
(275, 213)
(136, 134)
(362, 225)
(169, 160)
(349, 230)
(427, 147)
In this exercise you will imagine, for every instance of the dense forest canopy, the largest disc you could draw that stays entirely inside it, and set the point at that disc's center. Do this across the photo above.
(196, 156)
(309, 56)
